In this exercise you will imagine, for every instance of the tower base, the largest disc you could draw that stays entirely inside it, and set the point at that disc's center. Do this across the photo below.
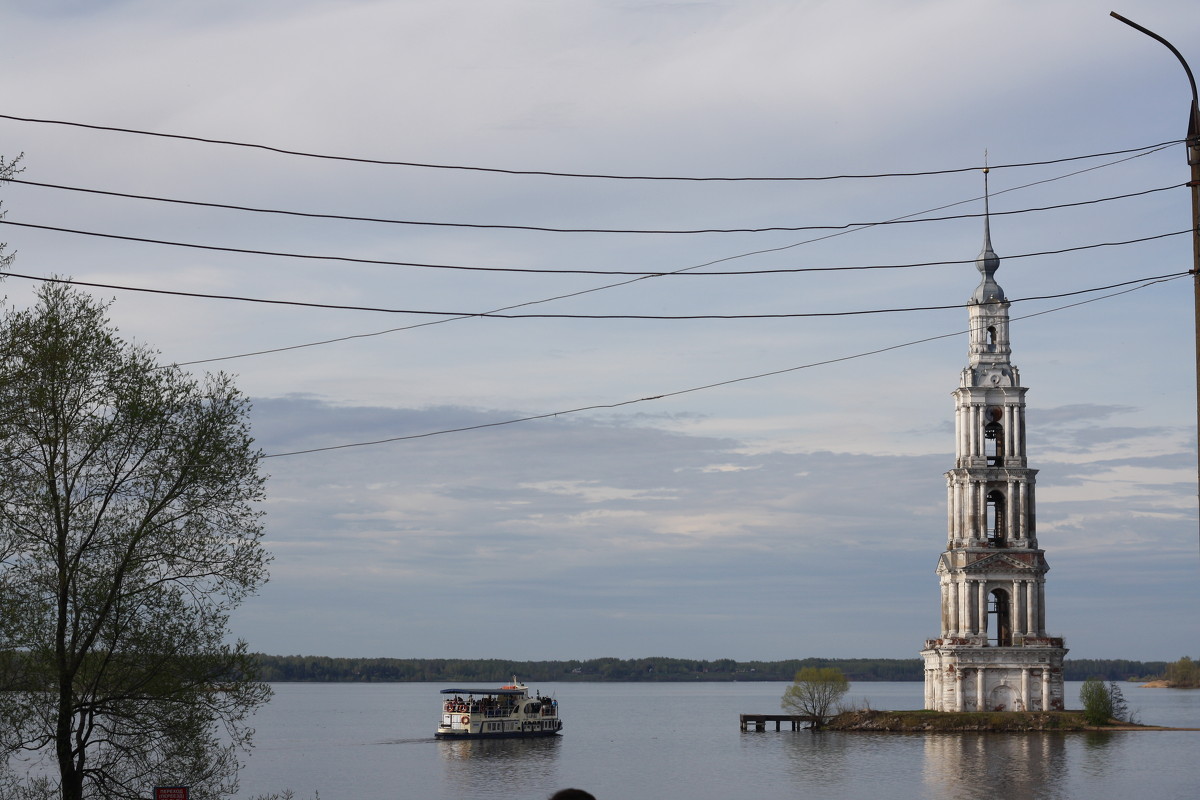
(961, 676)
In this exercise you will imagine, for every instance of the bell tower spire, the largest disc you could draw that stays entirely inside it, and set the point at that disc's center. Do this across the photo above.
(993, 652)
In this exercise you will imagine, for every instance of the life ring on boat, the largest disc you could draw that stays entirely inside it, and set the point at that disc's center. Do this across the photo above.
(465, 720)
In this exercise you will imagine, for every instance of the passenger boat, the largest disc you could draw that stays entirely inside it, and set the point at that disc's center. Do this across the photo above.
(506, 712)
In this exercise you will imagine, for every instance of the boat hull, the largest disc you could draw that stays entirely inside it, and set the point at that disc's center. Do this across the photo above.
(444, 736)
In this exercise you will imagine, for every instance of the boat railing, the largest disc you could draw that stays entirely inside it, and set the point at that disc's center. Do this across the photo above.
(499, 711)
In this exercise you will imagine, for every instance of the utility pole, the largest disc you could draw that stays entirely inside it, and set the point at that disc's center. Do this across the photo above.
(1193, 157)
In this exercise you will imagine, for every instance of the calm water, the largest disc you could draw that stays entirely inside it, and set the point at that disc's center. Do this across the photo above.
(649, 741)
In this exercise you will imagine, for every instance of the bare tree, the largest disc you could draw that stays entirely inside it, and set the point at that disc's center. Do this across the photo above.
(128, 532)
(7, 170)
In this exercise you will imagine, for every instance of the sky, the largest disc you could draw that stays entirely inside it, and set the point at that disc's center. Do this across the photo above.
(670, 463)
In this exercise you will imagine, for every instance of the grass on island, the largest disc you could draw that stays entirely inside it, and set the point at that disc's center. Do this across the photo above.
(957, 721)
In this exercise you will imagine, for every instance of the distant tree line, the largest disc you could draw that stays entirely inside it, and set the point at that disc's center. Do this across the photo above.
(440, 670)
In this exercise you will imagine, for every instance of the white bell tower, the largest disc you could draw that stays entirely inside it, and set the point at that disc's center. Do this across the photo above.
(993, 653)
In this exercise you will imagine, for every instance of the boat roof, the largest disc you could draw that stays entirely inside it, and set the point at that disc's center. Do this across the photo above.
(505, 690)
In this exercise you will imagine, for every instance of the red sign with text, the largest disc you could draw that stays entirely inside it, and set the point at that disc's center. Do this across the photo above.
(170, 793)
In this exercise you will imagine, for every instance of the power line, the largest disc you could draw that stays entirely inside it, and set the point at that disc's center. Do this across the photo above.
(685, 270)
(497, 315)
(537, 228)
(386, 262)
(414, 326)
(580, 271)
(603, 406)
(552, 174)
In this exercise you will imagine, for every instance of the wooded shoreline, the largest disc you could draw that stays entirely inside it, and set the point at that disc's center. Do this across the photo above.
(324, 669)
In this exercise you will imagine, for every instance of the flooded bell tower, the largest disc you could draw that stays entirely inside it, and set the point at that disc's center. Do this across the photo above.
(993, 653)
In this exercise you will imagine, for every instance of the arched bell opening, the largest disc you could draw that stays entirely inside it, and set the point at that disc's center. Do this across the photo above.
(1000, 607)
(996, 519)
(993, 443)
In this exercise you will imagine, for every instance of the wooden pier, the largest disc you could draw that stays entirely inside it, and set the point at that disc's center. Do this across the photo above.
(759, 721)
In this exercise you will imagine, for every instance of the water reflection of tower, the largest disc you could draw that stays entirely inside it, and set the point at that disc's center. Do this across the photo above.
(1018, 765)
(993, 652)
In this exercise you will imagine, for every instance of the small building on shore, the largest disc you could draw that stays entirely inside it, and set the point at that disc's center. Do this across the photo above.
(993, 652)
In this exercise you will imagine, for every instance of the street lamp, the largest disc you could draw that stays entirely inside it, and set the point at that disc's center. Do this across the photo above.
(1193, 156)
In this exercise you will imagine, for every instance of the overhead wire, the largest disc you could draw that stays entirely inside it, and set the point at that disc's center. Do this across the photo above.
(606, 406)
(1142, 283)
(580, 271)
(496, 315)
(554, 174)
(849, 228)
(679, 271)
(535, 228)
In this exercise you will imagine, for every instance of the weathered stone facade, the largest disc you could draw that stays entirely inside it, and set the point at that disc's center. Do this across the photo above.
(993, 652)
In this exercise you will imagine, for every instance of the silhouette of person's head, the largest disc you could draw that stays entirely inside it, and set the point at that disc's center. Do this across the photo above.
(571, 794)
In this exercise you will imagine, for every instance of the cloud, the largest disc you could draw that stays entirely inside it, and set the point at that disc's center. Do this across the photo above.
(622, 535)
(628, 513)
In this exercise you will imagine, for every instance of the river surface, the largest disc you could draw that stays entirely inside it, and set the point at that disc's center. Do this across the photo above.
(655, 741)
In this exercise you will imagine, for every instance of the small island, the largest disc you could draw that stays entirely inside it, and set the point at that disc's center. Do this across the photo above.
(973, 721)
(957, 721)
(814, 696)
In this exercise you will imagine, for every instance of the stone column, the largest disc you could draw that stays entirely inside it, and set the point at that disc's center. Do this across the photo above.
(1019, 511)
(960, 436)
(979, 506)
(1010, 432)
(962, 506)
(982, 621)
(1030, 608)
(1041, 617)
(972, 614)
(1021, 429)
(1010, 511)
(964, 610)
(970, 512)
(1025, 688)
(1014, 607)
(945, 606)
(979, 689)
(958, 690)
(1018, 609)
(950, 512)
(1045, 688)
(952, 620)
(977, 430)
